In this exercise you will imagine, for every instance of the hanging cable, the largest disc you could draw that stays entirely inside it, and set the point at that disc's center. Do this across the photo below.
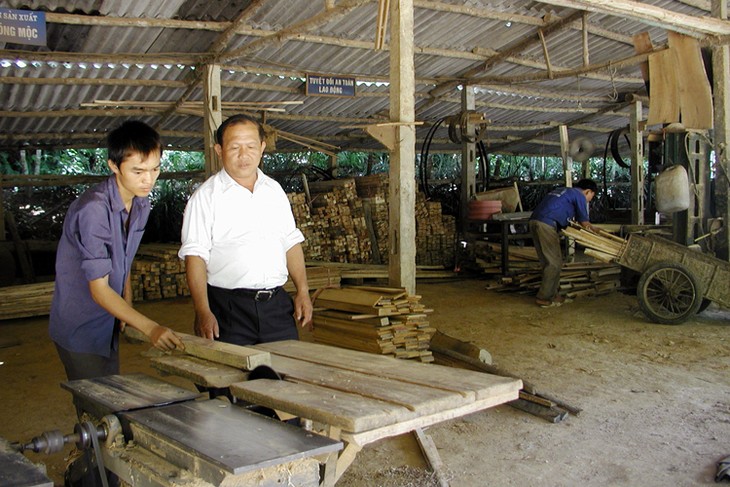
(425, 148)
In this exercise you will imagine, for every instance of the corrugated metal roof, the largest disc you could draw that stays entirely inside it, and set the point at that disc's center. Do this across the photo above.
(140, 52)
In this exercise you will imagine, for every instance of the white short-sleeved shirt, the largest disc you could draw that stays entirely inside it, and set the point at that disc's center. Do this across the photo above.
(242, 236)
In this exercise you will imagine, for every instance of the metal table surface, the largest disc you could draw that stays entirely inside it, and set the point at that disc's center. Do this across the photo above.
(117, 393)
(228, 436)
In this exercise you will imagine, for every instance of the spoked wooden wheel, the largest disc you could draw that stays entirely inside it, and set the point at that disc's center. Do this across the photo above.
(668, 293)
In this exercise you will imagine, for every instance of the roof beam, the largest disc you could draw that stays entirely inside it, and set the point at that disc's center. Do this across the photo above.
(501, 55)
(303, 26)
(568, 73)
(652, 15)
(185, 58)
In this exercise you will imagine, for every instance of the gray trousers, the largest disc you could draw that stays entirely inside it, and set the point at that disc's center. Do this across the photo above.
(547, 244)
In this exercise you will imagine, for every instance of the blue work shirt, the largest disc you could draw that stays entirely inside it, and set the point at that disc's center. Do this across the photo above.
(561, 205)
(94, 244)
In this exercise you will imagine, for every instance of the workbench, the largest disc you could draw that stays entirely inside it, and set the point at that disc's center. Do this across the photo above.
(354, 397)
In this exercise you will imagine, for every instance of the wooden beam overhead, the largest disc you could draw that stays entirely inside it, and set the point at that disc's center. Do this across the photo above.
(652, 15)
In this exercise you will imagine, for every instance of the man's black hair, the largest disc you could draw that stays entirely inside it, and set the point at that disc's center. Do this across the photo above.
(132, 136)
(587, 184)
(235, 120)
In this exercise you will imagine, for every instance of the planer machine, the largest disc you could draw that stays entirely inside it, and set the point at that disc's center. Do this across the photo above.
(148, 432)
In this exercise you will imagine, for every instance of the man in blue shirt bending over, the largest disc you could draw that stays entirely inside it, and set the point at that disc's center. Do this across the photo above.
(551, 216)
(103, 228)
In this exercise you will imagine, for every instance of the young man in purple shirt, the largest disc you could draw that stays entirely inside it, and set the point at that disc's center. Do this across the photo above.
(92, 300)
(551, 216)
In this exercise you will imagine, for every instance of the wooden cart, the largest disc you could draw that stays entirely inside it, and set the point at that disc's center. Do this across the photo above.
(676, 282)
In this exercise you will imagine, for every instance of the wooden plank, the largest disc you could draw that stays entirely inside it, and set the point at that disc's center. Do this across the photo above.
(402, 427)
(664, 88)
(372, 320)
(200, 372)
(695, 96)
(431, 454)
(237, 356)
(466, 383)
(356, 308)
(350, 412)
(420, 398)
(352, 295)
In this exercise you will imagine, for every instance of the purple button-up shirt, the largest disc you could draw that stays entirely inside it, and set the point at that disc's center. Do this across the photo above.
(94, 244)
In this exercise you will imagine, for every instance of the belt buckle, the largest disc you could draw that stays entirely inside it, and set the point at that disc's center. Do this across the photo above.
(264, 295)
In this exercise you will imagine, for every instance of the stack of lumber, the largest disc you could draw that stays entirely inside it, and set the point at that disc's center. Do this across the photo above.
(380, 320)
(576, 279)
(334, 225)
(600, 244)
(158, 273)
(488, 256)
(25, 300)
(347, 221)
(315, 236)
(435, 233)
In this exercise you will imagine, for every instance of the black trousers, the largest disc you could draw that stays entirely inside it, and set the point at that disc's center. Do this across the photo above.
(245, 320)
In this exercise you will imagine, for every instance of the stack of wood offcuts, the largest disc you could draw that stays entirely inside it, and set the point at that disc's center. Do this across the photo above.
(158, 273)
(346, 220)
(380, 320)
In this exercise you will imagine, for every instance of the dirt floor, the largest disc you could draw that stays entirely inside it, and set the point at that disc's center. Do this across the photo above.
(655, 399)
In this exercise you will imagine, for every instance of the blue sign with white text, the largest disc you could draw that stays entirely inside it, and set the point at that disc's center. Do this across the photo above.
(22, 27)
(330, 85)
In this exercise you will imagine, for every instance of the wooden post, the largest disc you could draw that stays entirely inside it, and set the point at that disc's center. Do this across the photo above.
(333, 166)
(212, 116)
(637, 165)
(565, 153)
(721, 93)
(402, 177)
(468, 157)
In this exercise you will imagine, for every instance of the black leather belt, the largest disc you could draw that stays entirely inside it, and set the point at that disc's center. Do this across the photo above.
(260, 295)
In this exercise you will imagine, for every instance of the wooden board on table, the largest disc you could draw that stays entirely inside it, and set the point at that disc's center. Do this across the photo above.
(350, 412)
(199, 371)
(245, 358)
(464, 382)
(414, 397)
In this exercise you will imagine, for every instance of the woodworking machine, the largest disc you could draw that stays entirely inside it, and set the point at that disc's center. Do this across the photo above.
(151, 433)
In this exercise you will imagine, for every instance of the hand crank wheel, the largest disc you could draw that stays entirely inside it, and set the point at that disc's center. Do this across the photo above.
(669, 293)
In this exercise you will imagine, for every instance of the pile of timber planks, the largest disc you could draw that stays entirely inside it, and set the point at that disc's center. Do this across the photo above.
(435, 232)
(334, 225)
(576, 279)
(601, 244)
(158, 273)
(25, 300)
(380, 320)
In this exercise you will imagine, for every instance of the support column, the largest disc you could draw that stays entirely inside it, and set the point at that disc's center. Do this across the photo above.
(468, 156)
(637, 164)
(212, 116)
(565, 153)
(721, 92)
(402, 177)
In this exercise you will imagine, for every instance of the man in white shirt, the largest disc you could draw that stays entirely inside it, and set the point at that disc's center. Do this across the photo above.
(239, 243)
